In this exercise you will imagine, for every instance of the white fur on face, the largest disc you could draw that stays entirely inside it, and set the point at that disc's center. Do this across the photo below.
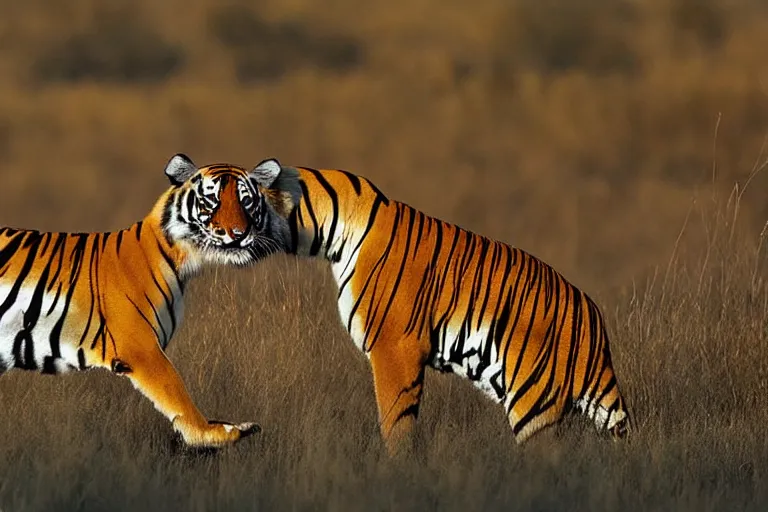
(191, 210)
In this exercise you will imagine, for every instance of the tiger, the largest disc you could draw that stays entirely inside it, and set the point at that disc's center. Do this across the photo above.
(417, 292)
(112, 300)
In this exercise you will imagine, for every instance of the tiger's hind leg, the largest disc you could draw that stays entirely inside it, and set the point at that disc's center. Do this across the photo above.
(398, 377)
(154, 376)
(605, 407)
(529, 412)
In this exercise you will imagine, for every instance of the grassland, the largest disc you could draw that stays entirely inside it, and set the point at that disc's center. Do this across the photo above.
(605, 138)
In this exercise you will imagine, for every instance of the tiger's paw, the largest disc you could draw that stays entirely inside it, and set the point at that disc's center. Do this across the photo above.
(216, 434)
(223, 432)
(246, 429)
(620, 430)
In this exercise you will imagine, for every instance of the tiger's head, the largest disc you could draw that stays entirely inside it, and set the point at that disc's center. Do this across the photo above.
(229, 215)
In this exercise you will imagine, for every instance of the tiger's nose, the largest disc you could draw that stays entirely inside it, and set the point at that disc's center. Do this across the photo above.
(234, 234)
(237, 233)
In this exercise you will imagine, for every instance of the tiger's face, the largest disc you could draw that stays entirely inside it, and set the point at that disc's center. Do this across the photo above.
(226, 214)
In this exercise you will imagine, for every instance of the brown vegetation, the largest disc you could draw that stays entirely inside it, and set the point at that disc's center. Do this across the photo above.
(603, 136)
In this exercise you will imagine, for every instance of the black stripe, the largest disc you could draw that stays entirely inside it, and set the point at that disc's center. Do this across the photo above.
(424, 294)
(59, 247)
(534, 377)
(411, 410)
(418, 238)
(101, 331)
(157, 319)
(24, 337)
(606, 389)
(534, 281)
(316, 242)
(101, 335)
(293, 223)
(537, 409)
(119, 241)
(346, 281)
(446, 268)
(396, 285)
(55, 336)
(376, 268)
(49, 366)
(105, 237)
(496, 333)
(516, 298)
(32, 314)
(593, 335)
(144, 317)
(488, 282)
(477, 280)
(459, 269)
(354, 180)
(47, 237)
(169, 261)
(76, 255)
(166, 217)
(189, 198)
(33, 242)
(371, 220)
(55, 300)
(10, 248)
(92, 283)
(24, 340)
(572, 360)
(168, 303)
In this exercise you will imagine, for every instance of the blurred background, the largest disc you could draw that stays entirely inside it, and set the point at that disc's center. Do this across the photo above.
(581, 131)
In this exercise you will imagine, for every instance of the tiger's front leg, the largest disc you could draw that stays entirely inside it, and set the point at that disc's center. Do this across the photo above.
(154, 376)
(398, 377)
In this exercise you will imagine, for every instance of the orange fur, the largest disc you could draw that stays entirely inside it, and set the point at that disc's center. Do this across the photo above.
(415, 291)
(113, 300)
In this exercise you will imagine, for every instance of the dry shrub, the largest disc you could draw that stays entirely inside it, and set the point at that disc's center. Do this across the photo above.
(117, 47)
(267, 51)
(553, 37)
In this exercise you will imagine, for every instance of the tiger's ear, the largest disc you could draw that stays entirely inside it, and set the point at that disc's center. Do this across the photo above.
(280, 185)
(266, 172)
(179, 169)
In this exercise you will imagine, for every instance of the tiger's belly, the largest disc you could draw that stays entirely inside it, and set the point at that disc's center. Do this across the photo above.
(474, 357)
(31, 332)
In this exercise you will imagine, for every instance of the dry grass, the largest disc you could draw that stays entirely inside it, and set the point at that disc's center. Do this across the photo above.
(689, 349)
(581, 134)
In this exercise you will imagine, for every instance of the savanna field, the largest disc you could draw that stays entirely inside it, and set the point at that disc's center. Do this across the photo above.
(622, 142)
